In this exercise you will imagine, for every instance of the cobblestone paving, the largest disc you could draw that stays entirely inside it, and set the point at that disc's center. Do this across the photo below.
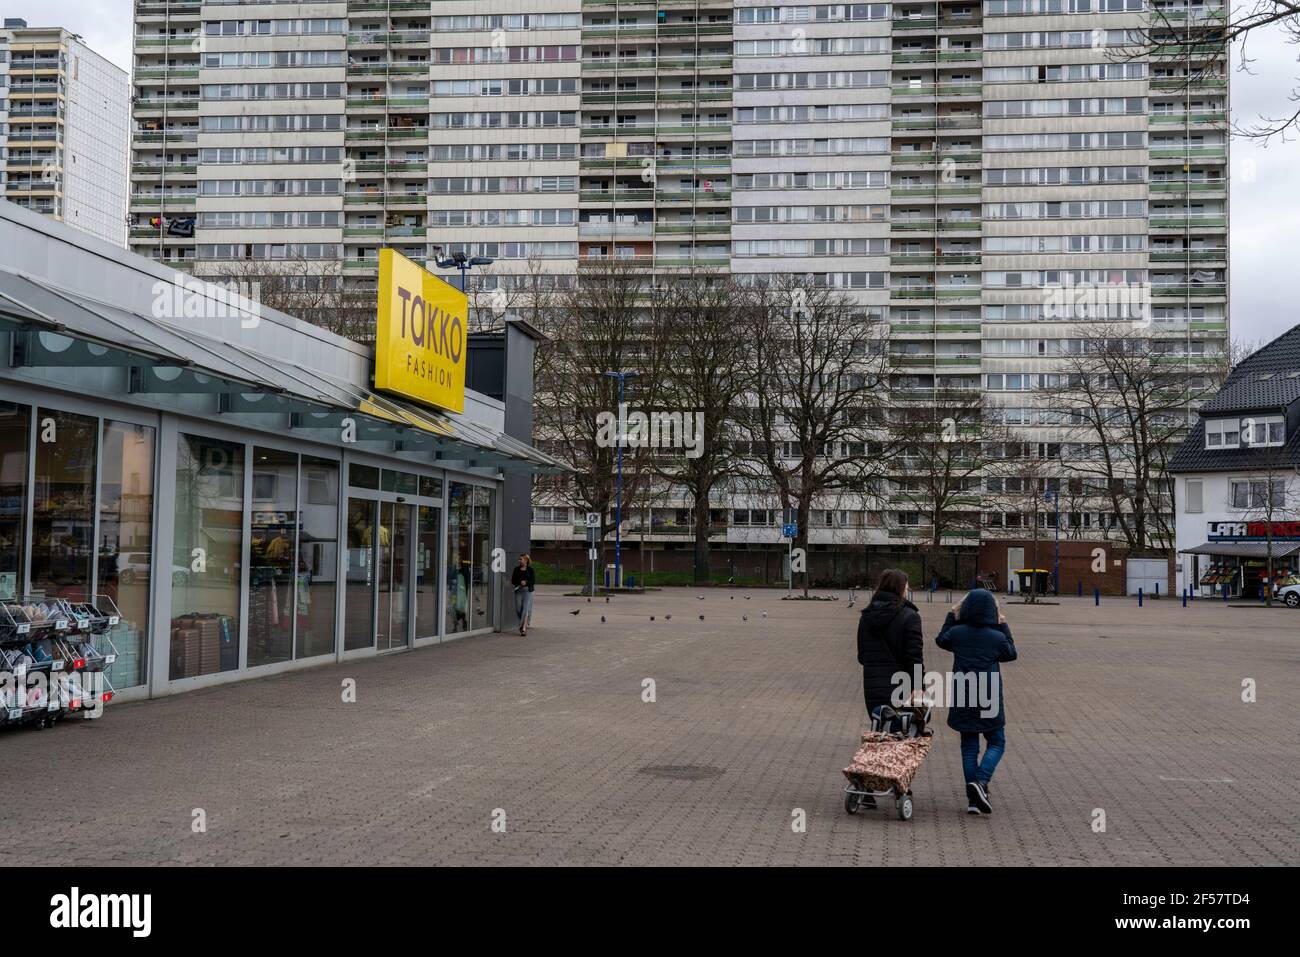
(1136, 712)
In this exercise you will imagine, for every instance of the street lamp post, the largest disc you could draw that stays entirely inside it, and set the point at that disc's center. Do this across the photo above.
(458, 260)
(618, 482)
(1055, 499)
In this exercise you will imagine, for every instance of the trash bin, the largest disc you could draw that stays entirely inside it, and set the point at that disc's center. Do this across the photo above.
(1033, 578)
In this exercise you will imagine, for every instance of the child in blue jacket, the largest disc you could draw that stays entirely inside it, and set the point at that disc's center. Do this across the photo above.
(979, 639)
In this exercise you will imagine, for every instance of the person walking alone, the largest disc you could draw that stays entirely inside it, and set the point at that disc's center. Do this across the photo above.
(524, 579)
(978, 636)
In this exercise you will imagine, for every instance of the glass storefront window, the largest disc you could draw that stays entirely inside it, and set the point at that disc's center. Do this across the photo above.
(126, 542)
(430, 487)
(206, 568)
(14, 436)
(63, 518)
(403, 483)
(318, 543)
(271, 554)
(363, 476)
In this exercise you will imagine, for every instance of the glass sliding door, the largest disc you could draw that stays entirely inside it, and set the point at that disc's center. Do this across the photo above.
(271, 556)
(126, 561)
(206, 564)
(63, 516)
(392, 621)
(364, 533)
(317, 556)
(428, 535)
(483, 614)
(460, 525)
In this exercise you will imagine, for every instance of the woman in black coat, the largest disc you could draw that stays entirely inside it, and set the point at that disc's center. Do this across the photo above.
(889, 641)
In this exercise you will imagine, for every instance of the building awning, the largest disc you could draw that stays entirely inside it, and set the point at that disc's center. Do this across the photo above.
(55, 327)
(1244, 549)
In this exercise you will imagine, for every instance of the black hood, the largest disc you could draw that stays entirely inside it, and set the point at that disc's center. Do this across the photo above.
(884, 606)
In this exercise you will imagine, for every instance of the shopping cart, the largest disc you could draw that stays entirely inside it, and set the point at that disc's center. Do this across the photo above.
(886, 762)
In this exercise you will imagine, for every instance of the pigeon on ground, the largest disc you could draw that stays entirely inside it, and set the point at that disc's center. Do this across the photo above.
(652, 617)
(700, 597)
(668, 617)
(764, 614)
(733, 597)
(602, 619)
(575, 611)
(701, 617)
(744, 618)
(746, 598)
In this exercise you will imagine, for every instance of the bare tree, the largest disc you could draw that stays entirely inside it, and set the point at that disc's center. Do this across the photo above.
(1128, 399)
(313, 290)
(707, 362)
(602, 323)
(814, 416)
(1197, 40)
(943, 444)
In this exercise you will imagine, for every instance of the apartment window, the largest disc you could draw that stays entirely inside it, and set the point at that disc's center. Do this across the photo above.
(1195, 496)
(1222, 434)
(1258, 493)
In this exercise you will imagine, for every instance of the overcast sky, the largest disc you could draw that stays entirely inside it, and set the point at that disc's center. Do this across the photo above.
(1265, 181)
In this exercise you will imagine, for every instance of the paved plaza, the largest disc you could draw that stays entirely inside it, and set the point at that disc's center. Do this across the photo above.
(1136, 712)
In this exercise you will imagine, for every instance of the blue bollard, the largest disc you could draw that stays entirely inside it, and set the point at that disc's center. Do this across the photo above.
(1157, 590)
(1139, 597)
(1225, 593)
(1184, 597)
(1096, 595)
(1080, 587)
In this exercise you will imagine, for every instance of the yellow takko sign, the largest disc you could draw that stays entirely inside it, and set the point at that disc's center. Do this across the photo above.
(421, 335)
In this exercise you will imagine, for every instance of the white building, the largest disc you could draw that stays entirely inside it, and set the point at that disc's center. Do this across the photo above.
(1238, 478)
(64, 129)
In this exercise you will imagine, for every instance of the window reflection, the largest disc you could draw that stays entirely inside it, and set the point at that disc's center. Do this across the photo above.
(62, 504)
(317, 556)
(206, 564)
(126, 542)
(271, 554)
(14, 436)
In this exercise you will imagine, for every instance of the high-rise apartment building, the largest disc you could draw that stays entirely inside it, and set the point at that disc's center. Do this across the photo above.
(979, 176)
(64, 119)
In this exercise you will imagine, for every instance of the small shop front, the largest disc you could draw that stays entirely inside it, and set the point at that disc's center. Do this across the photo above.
(237, 493)
(1237, 556)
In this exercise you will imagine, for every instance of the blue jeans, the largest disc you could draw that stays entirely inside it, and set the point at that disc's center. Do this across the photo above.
(975, 768)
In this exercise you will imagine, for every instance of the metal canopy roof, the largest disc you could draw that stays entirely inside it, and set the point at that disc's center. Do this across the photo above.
(55, 327)
(1281, 549)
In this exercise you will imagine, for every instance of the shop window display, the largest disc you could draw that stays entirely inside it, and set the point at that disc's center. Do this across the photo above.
(208, 540)
(63, 493)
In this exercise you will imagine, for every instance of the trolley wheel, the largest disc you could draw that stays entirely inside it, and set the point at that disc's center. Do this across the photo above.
(852, 802)
(905, 808)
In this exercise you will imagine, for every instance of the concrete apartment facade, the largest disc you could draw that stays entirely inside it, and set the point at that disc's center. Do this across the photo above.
(951, 165)
(64, 129)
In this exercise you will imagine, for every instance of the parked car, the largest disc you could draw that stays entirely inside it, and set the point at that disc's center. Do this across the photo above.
(1290, 594)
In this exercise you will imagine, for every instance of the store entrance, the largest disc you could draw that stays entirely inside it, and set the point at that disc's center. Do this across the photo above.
(393, 555)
